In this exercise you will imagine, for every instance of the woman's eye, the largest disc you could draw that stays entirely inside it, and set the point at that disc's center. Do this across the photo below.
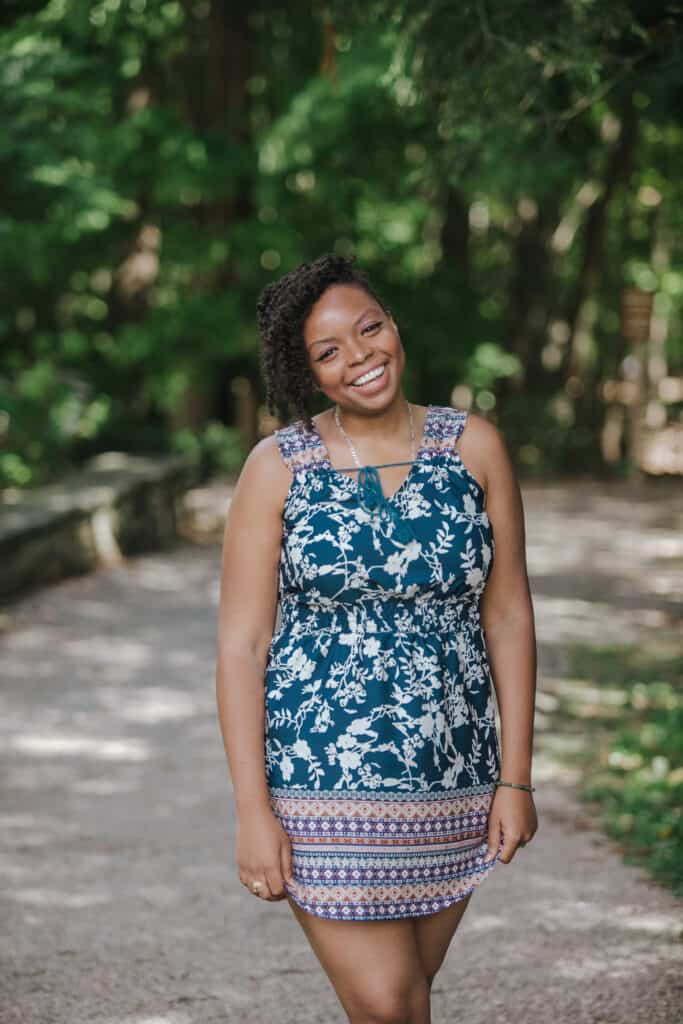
(329, 351)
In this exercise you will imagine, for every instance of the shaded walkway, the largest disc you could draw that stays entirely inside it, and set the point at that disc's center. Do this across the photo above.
(121, 903)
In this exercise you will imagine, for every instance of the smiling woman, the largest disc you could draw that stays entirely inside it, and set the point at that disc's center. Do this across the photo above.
(361, 733)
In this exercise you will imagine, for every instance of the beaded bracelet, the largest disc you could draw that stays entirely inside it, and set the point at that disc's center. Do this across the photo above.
(517, 785)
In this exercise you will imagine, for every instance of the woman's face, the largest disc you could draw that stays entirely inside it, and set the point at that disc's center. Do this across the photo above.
(349, 336)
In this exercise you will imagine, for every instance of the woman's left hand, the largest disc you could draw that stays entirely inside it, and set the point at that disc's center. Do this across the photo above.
(513, 813)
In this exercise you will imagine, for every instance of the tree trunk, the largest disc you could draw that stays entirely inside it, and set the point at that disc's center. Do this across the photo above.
(455, 234)
(223, 109)
(530, 297)
(619, 163)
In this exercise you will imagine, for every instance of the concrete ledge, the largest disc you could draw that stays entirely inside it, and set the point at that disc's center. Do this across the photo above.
(116, 505)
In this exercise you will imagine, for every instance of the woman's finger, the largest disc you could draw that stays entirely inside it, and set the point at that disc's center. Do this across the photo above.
(509, 847)
(274, 879)
(286, 863)
(493, 839)
(263, 891)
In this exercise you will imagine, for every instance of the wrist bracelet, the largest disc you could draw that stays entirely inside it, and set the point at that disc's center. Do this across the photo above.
(516, 785)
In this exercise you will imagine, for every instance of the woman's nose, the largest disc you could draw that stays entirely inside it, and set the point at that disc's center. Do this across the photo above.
(359, 352)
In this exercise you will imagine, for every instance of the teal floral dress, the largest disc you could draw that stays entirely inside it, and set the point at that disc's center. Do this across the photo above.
(380, 735)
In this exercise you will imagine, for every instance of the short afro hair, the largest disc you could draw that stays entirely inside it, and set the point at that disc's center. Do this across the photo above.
(282, 309)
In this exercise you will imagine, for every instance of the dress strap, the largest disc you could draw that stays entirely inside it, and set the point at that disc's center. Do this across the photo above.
(444, 429)
(444, 433)
(300, 448)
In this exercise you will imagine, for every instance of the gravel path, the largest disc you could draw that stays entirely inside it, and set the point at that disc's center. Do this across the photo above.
(121, 903)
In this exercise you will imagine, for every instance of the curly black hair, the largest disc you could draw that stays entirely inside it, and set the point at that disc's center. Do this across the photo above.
(282, 309)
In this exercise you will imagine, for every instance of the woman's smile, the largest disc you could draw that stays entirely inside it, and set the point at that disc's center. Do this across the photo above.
(372, 381)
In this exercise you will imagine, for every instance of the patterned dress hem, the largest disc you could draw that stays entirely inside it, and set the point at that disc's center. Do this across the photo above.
(399, 909)
(360, 856)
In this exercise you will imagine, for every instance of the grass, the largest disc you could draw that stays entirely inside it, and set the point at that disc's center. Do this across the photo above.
(628, 703)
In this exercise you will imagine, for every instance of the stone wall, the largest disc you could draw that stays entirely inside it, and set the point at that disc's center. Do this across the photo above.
(116, 505)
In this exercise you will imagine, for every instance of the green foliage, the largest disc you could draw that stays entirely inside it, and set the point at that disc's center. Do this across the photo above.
(162, 161)
(215, 447)
(635, 774)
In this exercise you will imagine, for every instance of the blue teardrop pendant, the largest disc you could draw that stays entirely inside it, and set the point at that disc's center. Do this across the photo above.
(371, 498)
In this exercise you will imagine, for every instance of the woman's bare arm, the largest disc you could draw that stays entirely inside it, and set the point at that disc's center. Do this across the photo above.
(507, 614)
(507, 617)
(248, 603)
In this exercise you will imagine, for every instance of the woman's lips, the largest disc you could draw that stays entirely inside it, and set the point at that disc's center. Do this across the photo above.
(373, 386)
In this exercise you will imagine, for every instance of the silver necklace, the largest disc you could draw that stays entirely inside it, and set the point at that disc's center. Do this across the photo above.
(351, 445)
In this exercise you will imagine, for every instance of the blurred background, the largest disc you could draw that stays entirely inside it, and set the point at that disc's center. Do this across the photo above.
(510, 175)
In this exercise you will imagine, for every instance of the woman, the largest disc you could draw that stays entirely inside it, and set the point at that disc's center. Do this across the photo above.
(370, 787)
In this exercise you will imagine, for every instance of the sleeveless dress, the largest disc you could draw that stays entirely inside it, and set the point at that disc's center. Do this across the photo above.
(381, 749)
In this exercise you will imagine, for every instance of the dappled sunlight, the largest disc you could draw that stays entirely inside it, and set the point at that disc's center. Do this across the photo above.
(153, 704)
(102, 787)
(569, 895)
(65, 745)
(483, 922)
(562, 620)
(30, 639)
(34, 829)
(661, 546)
(546, 703)
(563, 910)
(664, 583)
(114, 776)
(38, 897)
(547, 768)
(602, 569)
(162, 576)
(632, 918)
(146, 1019)
(581, 690)
(29, 829)
(129, 654)
(91, 609)
(618, 961)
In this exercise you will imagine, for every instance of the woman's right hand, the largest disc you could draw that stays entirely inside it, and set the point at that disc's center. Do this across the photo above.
(264, 854)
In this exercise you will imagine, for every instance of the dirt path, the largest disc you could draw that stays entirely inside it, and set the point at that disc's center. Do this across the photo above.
(121, 903)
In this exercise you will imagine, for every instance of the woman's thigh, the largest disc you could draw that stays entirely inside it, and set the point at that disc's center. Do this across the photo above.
(374, 966)
(433, 934)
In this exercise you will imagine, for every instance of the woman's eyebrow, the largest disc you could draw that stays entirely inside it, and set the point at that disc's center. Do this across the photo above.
(321, 341)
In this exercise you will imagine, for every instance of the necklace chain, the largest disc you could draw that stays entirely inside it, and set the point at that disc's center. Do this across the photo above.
(351, 445)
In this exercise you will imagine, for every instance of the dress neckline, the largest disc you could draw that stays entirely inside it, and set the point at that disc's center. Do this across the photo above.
(345, 472)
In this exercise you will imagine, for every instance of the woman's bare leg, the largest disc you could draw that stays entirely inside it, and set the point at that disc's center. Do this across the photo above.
(374, 967)
(433, 933)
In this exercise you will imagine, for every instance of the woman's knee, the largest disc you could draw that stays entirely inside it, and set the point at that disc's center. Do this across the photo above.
(405, 1003)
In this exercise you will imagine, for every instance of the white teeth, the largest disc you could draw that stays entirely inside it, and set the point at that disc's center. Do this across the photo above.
(369, 376)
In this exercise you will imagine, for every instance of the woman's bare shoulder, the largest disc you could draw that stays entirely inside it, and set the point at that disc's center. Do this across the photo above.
(483, 433)
(483, 447)
(264, 473)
